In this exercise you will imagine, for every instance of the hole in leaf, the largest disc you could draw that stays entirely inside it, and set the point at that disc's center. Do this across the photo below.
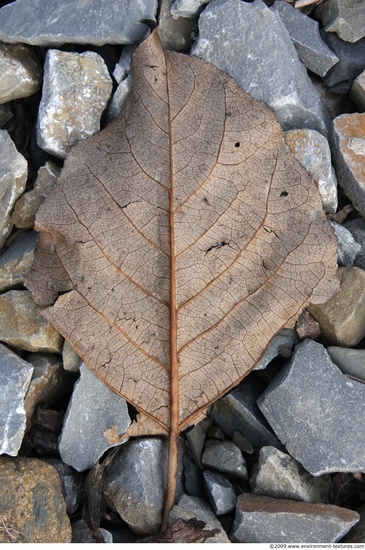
(237, 144)
(284, 194)
(219, 245)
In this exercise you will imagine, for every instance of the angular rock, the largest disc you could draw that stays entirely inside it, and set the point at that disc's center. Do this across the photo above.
(357, 533)
(94, 408)
(22, 325)
(263, 519)
(123, 67)
(16, 261)
(32, 508)
(71, 482)
(71, 360)
(27, 205)
(5, 114)
(357, 93)
(316, 412)
(351, 62)
(231, 37)
(76, 90)
(175, 34)
(82, 534)
(16, 375)
(349, 361)
(238, 411)
(348, 248)
(192, 477)
(349, 134)
(20, 72)
(53, 23)
(243, 443)
(357, 229)
(135, 483)
(13, 177)
(119, 98)
(190, 507)
(304, 32)
(281, 346)
(313, 152)
(220, 493)
(342, 317)
(187, 8)
(344, 17)
(278, 475)
(196, 438)
(225, 457)
(49, 383)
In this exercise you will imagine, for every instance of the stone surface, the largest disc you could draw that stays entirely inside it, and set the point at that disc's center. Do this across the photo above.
(225, 457)
(71, 482)
(76, 89)
(357, 93)
(342, 317)
(281, 346)
(196, 438)
(349, 134)
(20, 72)
(15, 262)
(220, 492)
(238, 411)
(189, 507)
(82, 534)
(32, 508)
(175, 34)
(304, 32)
(16, 375)
(357, 229)
(278, 475)
(316, 412)
(49, 383)
(231, 37)
(71, 360)
(357, 533)
(349, 361)
(22, 325)
(123, 67)
(5, 114)
(13, 177)
(351, 62)
(119, 98)
(27, 205)
(313, 152)
(93, 409)
(345, 17)
(53, 23)
(187, 8)
(135, 483)
(348, 248)
(263, 519)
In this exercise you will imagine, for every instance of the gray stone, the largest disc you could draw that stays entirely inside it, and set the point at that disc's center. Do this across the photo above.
(93, 409)
(187, 8)
(231, 37)
(243, 443)
(263, 519)
(196, 438)
(220, 492)
(313, 152)
(357, 93)
(15, 378)
(192, 477)
(49, 383)
(135, 483)
(225, 457)
(357, 533)
(72, 484)
(5, 114)
(76, 90)
(357, 229)
(16, 260)
(27, 205)
(119, 98)
(349, 361)
(279, 475)
(342, 317)
(13, 178)
(304, 32)
(71, 360)
(53, 23)
(22, 325)
(20, 72)
(190, 507)
(281, 346)
(345, 17)
(238, 411)
(351, 62)
(348, 248)
(349, 137)
(81, 534)
(175, 34)
(123, 67)
(316, 412)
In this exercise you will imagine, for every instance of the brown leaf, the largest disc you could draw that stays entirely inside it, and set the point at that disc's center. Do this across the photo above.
(183, 532)
(179, 240)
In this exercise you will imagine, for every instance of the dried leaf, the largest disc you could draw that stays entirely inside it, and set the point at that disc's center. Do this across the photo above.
(178, 241)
